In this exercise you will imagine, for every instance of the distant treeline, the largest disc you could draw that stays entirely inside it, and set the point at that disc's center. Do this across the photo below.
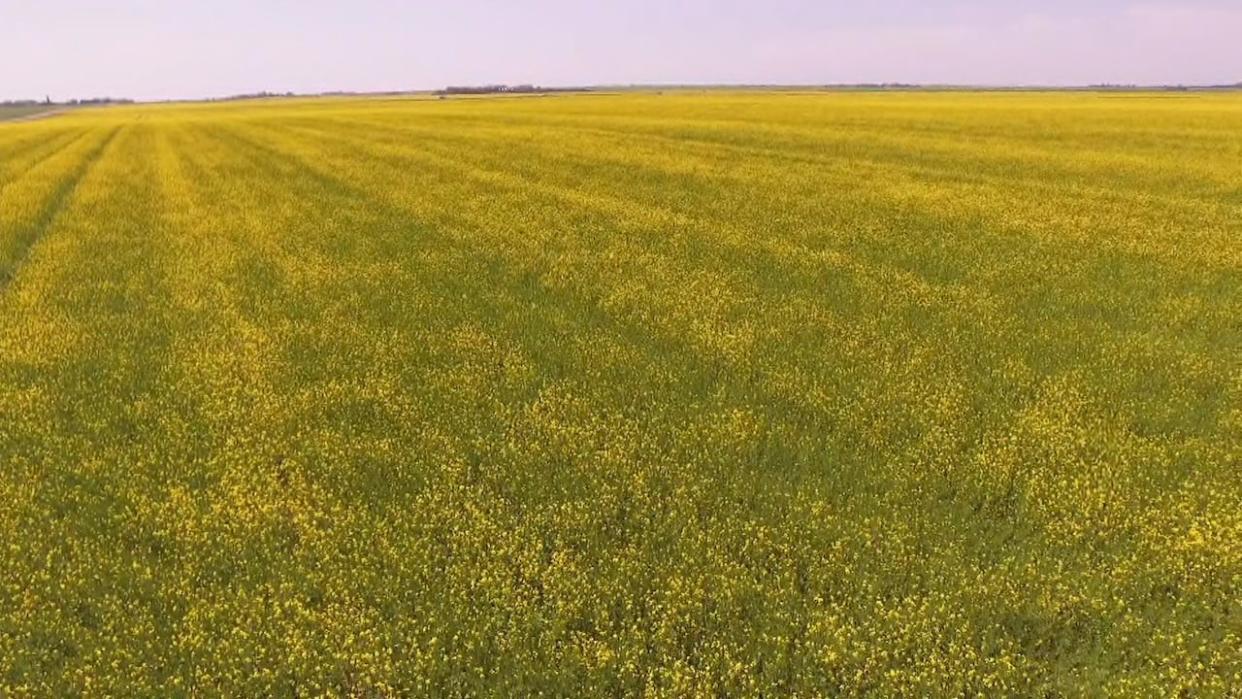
(504, 89)
(67, 103)
(252, 96)
(1174, 88)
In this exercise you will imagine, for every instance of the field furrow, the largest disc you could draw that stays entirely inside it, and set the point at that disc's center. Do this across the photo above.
(33, 201)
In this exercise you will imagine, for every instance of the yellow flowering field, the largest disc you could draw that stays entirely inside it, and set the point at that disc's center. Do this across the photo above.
(683, 394)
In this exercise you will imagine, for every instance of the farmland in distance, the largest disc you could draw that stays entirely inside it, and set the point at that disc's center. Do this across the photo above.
(692, 394)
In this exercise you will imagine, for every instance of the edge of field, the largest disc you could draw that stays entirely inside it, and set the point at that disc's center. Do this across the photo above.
(8, 116)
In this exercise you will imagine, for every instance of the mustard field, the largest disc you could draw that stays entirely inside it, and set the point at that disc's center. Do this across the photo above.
(682, 394)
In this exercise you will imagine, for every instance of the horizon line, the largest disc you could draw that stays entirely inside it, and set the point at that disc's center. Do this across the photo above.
(532, 88)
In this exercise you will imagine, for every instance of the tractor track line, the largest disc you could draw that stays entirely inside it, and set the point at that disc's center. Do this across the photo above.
(27, 237)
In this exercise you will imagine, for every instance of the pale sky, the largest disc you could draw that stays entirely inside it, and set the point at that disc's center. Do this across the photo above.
(160, 49)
